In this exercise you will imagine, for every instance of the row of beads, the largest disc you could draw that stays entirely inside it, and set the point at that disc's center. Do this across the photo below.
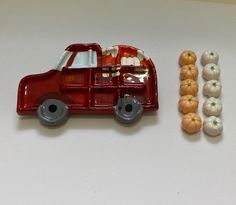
(212, 107)
(188, 103)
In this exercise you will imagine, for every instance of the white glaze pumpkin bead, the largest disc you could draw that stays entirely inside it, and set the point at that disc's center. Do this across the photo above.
(212, 106)
(213, 126)
(211, 72)
(212, 88)
(209, 56)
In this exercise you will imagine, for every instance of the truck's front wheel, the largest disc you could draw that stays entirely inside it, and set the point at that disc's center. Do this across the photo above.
(52, 112)
(128, 110)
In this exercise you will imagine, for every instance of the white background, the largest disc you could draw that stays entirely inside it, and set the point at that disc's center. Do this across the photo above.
(93, 159)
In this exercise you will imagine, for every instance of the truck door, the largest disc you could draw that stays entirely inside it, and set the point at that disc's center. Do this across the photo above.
(88, 83)
(76, 76)
(77, 73)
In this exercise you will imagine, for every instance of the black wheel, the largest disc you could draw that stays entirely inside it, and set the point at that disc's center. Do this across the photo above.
(128, 110)
(52, 112)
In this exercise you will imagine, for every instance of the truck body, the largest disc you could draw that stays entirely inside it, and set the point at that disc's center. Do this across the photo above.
(89, 79)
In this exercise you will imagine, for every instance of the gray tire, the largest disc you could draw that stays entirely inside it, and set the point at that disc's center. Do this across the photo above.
(52, 112)
(128, 110)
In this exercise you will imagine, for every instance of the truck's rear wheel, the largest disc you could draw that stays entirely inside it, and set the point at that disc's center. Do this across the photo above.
(52, 112)
(128, 110)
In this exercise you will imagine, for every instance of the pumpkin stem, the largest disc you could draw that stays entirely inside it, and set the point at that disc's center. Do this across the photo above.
(215, 122)
(213, 104)
(212, 67)
(212, 54)
(214, 84)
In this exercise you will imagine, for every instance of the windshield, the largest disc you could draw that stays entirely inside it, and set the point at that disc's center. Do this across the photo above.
(63, 59)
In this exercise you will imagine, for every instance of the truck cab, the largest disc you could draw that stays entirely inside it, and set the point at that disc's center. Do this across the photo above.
(88, 79)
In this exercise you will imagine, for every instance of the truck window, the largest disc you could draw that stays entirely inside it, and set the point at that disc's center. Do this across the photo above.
(85, 59)
(63, 59)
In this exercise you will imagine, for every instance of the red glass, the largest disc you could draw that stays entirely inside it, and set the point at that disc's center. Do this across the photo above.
(93, 89)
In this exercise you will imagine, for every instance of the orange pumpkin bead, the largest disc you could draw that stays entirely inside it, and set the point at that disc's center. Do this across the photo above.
(188, 104)
(188, 87)
(191, 123)
(189, 72)
(187, 57)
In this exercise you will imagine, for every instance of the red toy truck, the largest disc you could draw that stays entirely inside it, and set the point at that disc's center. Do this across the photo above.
(88, 79)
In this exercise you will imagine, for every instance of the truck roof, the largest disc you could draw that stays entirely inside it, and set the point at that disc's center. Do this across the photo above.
(80, 47)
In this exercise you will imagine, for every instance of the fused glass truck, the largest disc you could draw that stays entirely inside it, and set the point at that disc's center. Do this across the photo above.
(88, 79)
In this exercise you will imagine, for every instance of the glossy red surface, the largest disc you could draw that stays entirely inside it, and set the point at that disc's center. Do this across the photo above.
(92, 89)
